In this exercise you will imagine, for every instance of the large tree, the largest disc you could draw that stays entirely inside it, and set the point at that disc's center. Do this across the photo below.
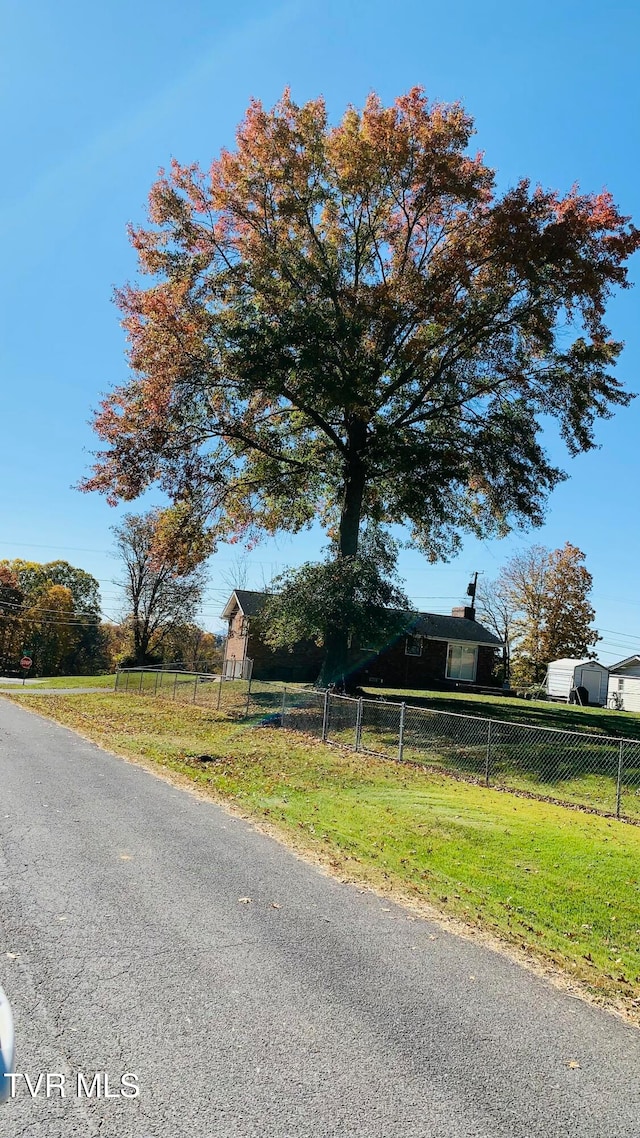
(350, 322)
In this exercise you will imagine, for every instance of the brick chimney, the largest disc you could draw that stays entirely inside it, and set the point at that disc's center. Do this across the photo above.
(464, 611)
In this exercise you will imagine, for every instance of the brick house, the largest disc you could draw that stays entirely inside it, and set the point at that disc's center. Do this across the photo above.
(244, 643)
(436, 652)
(433, 651)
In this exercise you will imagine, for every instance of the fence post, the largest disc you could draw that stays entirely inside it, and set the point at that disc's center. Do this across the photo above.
(195, 687)
(175, 684)
(325, 716)
(619, 780)
(219, 693)
(246, 710)
(126, 685)
(161, 674)
(284, 704)
(401, 732)
(487, 761)
(155, 686)
(358, 723)
(141, 681)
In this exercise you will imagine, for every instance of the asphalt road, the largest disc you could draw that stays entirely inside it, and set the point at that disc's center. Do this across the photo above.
(313, 1009)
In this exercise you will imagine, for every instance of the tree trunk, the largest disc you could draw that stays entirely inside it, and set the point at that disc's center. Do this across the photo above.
(139, 646)
(335, 667)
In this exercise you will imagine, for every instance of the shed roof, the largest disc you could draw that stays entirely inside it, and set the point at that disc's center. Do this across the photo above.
(574, 662)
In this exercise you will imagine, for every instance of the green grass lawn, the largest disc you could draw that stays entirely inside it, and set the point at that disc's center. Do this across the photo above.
(563, 885)
(538, 713)
(104, 681)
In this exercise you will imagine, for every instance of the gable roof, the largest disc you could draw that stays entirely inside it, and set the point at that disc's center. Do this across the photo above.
(248, 601)
(429, 624)
(631, 661)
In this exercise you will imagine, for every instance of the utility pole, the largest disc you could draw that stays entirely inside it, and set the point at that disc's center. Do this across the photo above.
(471, 590)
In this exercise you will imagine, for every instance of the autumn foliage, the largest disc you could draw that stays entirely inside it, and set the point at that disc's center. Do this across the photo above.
(540, 608)
(52, 612)
(349, 322)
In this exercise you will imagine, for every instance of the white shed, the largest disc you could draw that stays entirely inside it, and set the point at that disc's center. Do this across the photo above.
(624, 684)
(563, 675)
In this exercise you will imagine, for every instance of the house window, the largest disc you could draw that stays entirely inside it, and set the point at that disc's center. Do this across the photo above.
(413, 646)
(461, 662)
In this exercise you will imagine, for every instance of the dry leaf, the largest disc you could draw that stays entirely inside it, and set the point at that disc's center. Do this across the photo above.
(245, 900)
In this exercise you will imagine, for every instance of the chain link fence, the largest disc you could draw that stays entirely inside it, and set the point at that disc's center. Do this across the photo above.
(236, 698)
(577, 768)
(231, 697)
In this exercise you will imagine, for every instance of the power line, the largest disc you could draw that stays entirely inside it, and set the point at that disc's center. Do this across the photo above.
(613, 636)
(26, 618)
(13, 605)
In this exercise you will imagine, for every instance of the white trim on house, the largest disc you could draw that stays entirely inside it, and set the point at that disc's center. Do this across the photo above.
(624, 684)
(233, 668)
(418, 641)
(628, 667)
(231, 604)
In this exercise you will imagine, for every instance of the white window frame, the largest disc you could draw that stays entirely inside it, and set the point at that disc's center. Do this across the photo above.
(462, 644)
(406, 646)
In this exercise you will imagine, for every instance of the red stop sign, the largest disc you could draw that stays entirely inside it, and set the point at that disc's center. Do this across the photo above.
(26, 662)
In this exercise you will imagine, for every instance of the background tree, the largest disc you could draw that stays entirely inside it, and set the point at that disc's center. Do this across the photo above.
(496, 610)
(548, 591)
(198, 650)
(236, 575)
(57, 618)
(159, 597)
(11, 601)
(118, 643)
(350, 322)
(568, 612)
(49, 624)
(523, 584)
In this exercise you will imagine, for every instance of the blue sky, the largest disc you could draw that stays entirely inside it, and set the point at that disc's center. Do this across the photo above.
(98, 97)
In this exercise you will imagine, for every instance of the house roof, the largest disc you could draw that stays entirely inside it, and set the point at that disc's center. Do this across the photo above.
(437, 627)
(429, 624)
(248, 601)
(630, 661)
